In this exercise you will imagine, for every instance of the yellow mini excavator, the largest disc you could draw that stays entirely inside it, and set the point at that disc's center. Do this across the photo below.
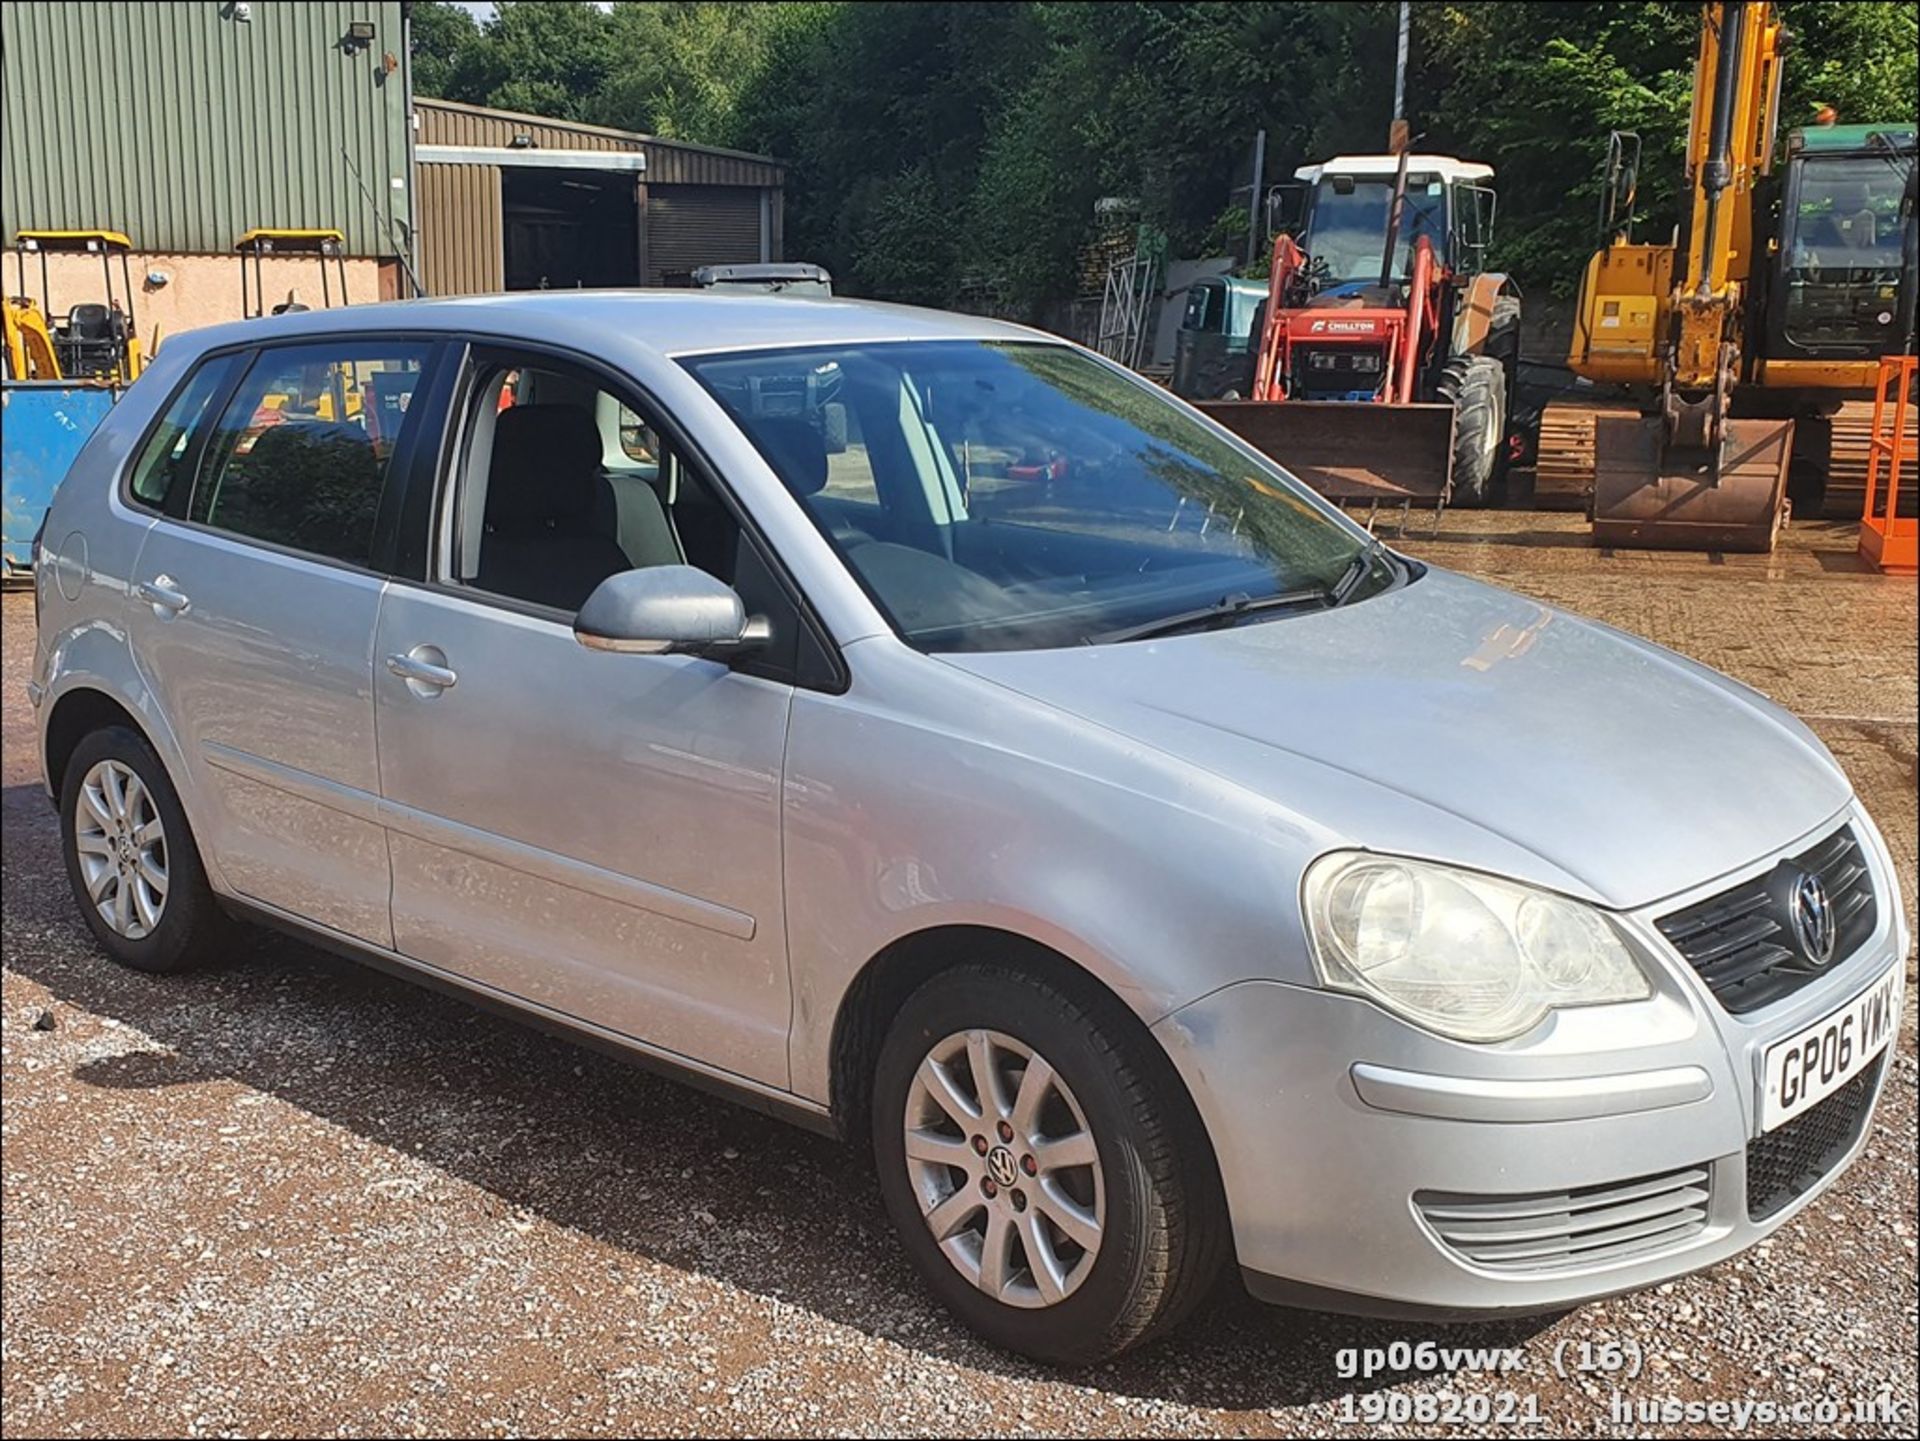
(94, 341)
(1774, 303)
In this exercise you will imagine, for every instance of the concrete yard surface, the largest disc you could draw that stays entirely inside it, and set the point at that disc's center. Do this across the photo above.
(284, 1195)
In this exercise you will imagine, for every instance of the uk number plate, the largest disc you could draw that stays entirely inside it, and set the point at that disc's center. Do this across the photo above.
(1806, 1068)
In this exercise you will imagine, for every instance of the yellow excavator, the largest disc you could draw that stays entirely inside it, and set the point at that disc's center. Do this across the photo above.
(94, 341)
(1774, 302)
(29, 340)
(329, 247)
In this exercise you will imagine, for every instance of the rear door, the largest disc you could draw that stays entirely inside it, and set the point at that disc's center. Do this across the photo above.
(256, 594)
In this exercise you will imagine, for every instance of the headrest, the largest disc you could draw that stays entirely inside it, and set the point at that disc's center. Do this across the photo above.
(546, 437)
(794, 449)
(546, 459)
(335, 443)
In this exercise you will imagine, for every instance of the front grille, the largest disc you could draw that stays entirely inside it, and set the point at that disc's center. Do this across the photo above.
(1789, 1160)
(1742, 941)
(1338, 370)
(1586, 1226)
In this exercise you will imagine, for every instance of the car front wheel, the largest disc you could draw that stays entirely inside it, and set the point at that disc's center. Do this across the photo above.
(1043, 1165)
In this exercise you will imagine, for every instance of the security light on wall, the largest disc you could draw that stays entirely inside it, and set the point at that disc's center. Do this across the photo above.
(359, 36)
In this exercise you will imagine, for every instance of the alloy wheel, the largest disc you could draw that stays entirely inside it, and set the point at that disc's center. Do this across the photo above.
(1005, 1169)
(122, 846)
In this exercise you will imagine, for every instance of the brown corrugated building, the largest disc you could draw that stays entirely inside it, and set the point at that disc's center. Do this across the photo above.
(520, 202)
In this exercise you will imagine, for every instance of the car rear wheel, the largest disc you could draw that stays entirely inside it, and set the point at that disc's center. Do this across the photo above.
(1043, 1165)
(130, 857)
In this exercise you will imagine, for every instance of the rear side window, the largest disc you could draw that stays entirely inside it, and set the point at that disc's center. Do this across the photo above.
(163, 459)
(301, 455)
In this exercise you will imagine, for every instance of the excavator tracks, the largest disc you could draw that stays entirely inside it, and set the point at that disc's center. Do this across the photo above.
(1851, 427)
(1564, 462)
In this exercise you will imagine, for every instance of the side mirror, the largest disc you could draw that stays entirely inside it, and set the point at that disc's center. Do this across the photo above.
(1620, 188)
(668, 610)
(1286, 208)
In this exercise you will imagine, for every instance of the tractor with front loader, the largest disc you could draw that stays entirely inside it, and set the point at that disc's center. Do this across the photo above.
(1386, 351)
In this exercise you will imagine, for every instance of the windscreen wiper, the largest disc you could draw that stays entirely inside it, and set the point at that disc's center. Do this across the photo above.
(1356, 571)
(1223, 611)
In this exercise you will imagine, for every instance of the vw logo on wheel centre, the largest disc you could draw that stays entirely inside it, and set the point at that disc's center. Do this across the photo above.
(1001, 1166)
(1813, 922)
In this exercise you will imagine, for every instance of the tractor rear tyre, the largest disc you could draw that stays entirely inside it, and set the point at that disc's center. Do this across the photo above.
(1476, 387)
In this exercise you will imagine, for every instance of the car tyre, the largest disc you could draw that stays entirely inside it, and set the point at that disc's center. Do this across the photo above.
(1114, 1099)
(131, 857)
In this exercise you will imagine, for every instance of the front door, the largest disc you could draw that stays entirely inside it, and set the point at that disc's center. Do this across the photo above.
(253, 616)
(595, 833)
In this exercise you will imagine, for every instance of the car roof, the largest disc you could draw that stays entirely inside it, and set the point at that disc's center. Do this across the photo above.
(665, 322)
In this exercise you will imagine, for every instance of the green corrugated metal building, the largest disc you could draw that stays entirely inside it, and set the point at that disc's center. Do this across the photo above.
(184, 124)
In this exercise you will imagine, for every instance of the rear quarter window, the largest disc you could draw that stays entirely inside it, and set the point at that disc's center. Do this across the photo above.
(162, 462)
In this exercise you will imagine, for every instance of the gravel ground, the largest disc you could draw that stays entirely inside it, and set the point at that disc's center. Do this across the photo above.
(289, 1196)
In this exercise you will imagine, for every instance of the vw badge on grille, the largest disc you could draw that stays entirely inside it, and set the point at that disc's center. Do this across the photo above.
(1813, 921)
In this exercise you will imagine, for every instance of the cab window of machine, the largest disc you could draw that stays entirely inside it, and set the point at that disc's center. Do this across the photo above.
(1206, 308)
(1469, 242)
(1843, 256)
(1349, 225)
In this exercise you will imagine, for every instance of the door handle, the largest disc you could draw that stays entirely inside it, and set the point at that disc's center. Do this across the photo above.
(420, 667)
(161, 595)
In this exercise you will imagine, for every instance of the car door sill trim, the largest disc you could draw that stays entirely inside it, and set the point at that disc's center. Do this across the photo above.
(729, 1085)
(565, 871)
(471, 841)
(335, 796)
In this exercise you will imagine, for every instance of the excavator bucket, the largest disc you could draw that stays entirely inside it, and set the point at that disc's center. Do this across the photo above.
(1648, 496)
(1350, 450)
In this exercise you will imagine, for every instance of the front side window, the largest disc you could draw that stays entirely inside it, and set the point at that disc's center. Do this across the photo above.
(563, 484)
(301, 455)
(1025, 495)
(163, 459)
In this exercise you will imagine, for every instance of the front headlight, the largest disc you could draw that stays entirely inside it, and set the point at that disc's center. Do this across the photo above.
(1459, 953)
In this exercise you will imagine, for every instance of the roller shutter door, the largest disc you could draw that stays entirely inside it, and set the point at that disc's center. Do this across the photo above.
(690, 225)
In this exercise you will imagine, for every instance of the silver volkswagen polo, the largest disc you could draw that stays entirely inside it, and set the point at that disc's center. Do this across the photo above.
(927, 731)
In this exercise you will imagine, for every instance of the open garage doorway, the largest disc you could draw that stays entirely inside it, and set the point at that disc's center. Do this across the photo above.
(567, 228)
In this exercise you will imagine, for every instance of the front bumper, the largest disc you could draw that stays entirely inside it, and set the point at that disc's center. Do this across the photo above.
(1349, 1141)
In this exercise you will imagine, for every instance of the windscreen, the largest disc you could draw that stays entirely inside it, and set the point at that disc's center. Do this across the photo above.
(1347, 232)
(1009, 496)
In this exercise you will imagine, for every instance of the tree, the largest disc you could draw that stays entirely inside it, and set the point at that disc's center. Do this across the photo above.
(683, 67)
(940, 148)
(437, 33)
(544, 57)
